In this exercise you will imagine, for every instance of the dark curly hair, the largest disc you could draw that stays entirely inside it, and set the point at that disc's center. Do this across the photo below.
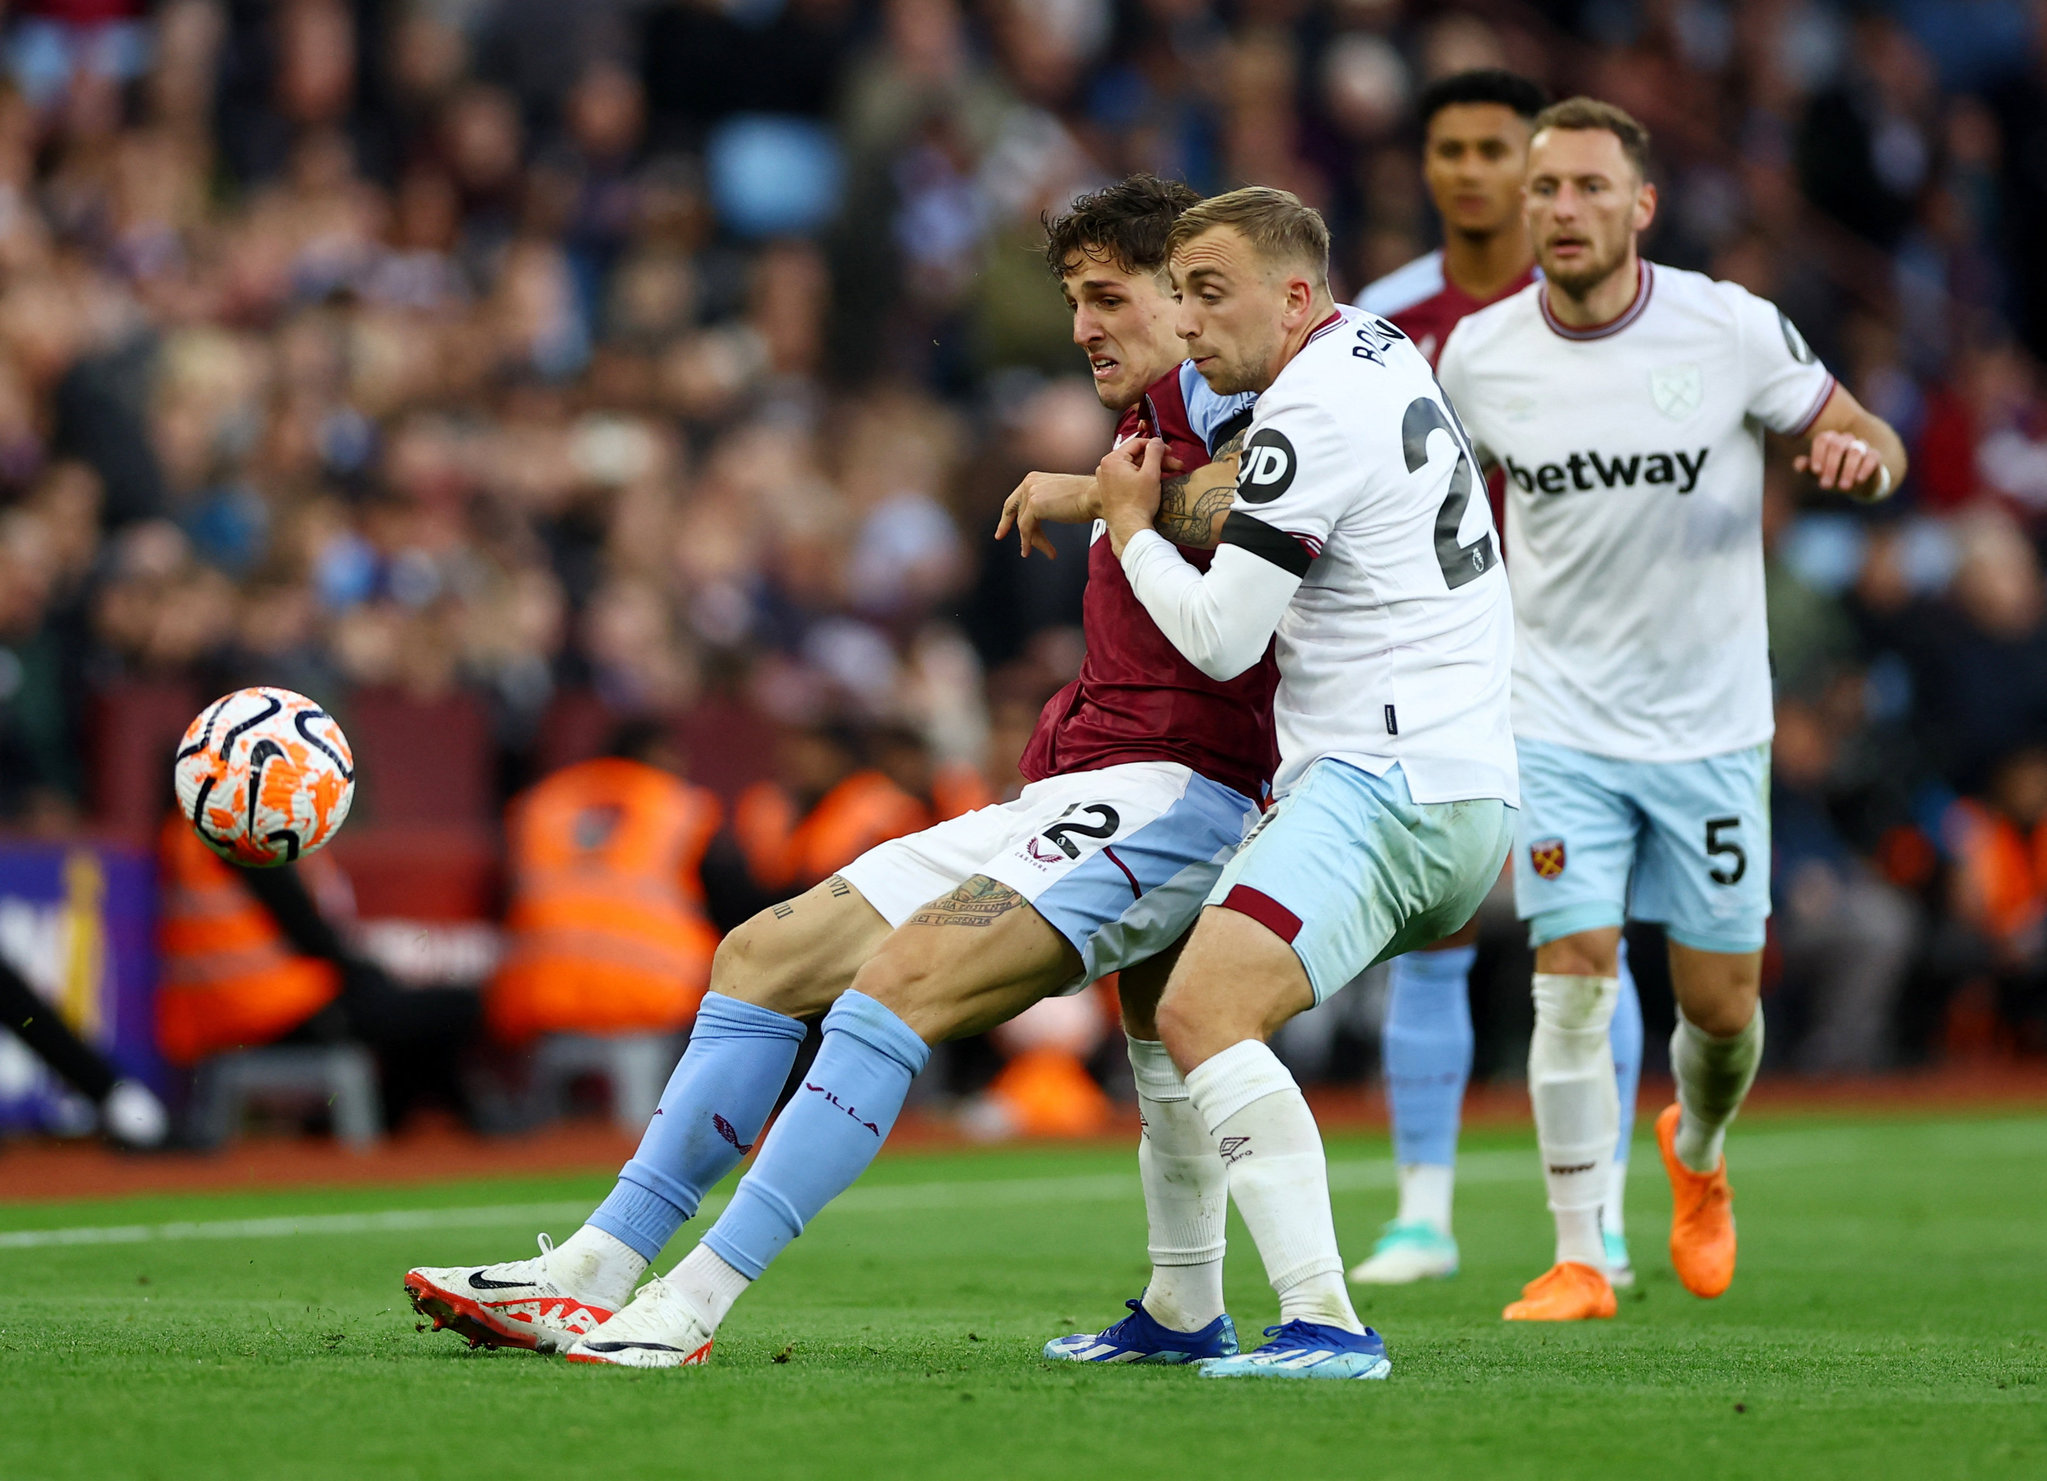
(1125, 224)
(1483, 85)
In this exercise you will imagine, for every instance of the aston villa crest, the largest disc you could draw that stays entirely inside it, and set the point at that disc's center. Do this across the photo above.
(1547, 858)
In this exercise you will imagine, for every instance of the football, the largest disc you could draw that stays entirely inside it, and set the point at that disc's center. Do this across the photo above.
(265, 776)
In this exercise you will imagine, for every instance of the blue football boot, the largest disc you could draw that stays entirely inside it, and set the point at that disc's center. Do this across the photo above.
(1307, 1350)
(1140, 1339)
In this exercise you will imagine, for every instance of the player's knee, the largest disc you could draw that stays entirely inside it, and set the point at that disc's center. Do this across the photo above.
(751, 966)
(1717, 990)
(1581, 954)
(1723, 1014)
(1195, 1027)
(1576, 1002)
(906, 982)
(1182, 1032)
(1138, 990)
(1140, 1019)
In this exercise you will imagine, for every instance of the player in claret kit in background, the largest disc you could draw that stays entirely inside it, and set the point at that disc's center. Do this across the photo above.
(1143, 774)
(1360, 536)
(1627, 403)
(1475, 128)
(1475, 131)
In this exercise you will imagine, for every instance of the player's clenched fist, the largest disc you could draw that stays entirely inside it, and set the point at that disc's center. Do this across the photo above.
(1841, 460)
(1127, 485)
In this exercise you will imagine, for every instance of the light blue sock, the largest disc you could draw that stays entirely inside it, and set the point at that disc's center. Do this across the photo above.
(827, 1134)
(1626, 1032)
(716, 1102)
(1425, 1051)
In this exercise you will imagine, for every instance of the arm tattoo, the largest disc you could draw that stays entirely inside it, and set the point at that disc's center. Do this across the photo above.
(976, 903)
(1196, 523)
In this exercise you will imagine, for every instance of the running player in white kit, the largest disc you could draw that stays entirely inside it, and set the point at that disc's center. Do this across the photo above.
(1627, 403)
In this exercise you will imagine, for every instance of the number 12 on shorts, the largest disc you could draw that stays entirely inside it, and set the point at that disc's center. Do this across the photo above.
(1720, 846)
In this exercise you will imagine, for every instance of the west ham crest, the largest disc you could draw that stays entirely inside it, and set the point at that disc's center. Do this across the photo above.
(1678, 390)
(1547, 858)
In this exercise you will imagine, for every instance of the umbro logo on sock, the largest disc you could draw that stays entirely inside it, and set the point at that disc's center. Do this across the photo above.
(1234, 1147)
(725, 1130)
(834, 1100)
(1572, 1167)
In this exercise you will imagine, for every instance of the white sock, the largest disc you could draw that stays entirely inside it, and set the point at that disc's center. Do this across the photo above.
(1186, 1195)
(595, 1266)
(708, 1284)
(1577, 1105)
(1613, 1213)
(1279, 1179)
(1425, 1189)
(1713, 1077)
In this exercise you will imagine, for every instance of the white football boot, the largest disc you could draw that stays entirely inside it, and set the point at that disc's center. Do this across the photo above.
(1620, 1270)
(1407, 1253)
(521, 1303)
(133, 1116)
(658, 1328)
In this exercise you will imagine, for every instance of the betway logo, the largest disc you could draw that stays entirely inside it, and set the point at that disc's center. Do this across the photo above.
(1587, 471)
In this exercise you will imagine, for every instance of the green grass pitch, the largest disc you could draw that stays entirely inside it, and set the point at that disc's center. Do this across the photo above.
(1889, 1320)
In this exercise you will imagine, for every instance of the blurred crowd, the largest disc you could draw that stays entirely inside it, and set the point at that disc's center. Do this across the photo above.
(671, 351)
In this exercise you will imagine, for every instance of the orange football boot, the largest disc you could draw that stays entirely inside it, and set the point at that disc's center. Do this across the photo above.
(1566, 1292)
(1701, 1217)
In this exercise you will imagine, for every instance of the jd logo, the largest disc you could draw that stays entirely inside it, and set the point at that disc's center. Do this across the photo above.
(1267, 468)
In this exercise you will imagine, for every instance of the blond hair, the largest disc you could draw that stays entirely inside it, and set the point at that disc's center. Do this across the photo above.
(1582, 113)
(1278, 226)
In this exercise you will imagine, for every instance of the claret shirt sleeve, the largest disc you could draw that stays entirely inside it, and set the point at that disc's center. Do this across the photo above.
(1295, 480)
(1450, 375)
(1784, 385)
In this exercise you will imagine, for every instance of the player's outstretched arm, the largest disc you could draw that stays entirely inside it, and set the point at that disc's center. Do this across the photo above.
(1852, 449)
(1192, 505)
(1060, 498)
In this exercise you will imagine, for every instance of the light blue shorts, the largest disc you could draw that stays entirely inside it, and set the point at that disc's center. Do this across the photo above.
(1682, 843)
(1349, 869)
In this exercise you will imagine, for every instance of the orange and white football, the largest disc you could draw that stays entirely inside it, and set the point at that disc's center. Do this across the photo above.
(265, 776)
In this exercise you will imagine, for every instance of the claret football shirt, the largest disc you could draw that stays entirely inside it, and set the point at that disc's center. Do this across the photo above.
(1136, 698)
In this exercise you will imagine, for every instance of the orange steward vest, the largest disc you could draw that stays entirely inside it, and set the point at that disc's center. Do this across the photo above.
(958, 789)
(607, 932)
(2000, 871)
(785, 852)
(230, 978)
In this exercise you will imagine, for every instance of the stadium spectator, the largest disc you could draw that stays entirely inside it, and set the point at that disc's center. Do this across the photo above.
(827, 806)
(251, 957)
(608, 931)
(1999, 886)
(1847, 936)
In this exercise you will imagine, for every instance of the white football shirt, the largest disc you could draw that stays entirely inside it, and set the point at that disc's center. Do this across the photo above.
(1634, 459)
(1361, 539)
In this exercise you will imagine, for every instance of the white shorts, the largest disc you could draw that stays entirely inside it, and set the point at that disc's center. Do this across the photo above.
(1117, 860)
